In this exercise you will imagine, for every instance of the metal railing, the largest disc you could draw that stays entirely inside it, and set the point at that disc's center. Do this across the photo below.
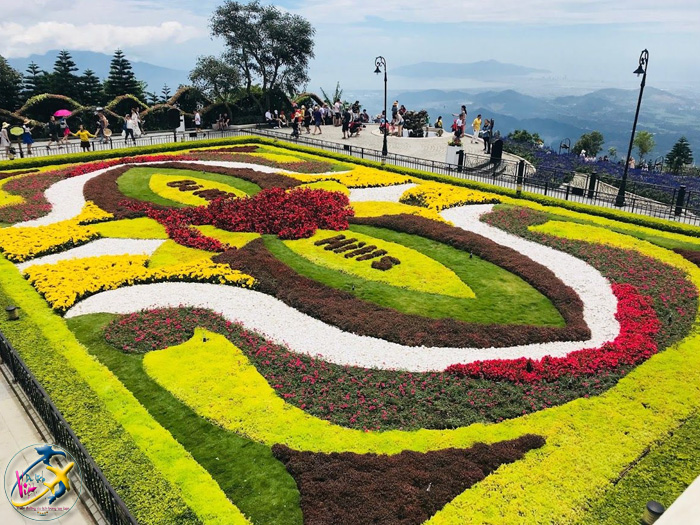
(109, 502)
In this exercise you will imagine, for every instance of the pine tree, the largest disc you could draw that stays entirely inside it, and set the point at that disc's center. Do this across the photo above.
(90, 89)
(679, 155)
(151, 98)
(10, 86)
(121, 79)
(35, 81)
(63, 80)
(165, 93)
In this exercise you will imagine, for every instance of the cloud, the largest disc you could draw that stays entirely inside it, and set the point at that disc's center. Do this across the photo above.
(19, 40)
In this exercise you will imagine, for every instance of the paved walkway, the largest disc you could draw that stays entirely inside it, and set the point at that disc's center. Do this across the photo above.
(17, 431)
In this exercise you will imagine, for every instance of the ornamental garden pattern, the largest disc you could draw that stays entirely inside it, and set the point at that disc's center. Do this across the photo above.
(287, 336)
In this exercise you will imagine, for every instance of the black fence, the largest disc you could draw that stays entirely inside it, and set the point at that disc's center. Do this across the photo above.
(110, 504)
(664, 202)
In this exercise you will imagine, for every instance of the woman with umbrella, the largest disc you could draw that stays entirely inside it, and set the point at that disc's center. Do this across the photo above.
(63, 130)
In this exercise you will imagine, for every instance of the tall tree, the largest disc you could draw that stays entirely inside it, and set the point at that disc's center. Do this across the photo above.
(679, 156)
(271, 48)
(644, 142)
(10, 86)
(591, 142)
(217, 79)
(165, 93)
(63, 80)
(121, 79)
(35, 81)
(91, 93)
(151, 98)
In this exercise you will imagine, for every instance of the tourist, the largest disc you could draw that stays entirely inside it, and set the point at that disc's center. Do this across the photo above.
(136, 120)
(27, 136)
(394, 109)
(84, 136)
(317, 119)
(5, 138)
(296, 121)
(129, 128)
(64, 132)
(488, 132)
(364, 116)
(399, 124)
(53, 130)
(347, 117)
(458, 128)
(402, 110)
(337, 120)
(270, 121)
(439, 126)
(197, 121)
(476, 127)
(283, 119)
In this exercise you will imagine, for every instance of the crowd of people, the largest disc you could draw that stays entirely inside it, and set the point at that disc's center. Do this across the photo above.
(346, 116)
(482, 130)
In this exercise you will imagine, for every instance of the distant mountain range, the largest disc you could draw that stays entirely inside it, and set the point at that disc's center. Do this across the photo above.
(610, 111)
(154, 76)
(487, 69)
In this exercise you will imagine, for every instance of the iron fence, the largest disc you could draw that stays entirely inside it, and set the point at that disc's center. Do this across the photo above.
(109, 502)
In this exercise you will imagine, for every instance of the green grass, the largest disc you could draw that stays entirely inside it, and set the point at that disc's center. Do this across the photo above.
(501, 297)
(246, 471)
(134, 183)
(662, 475)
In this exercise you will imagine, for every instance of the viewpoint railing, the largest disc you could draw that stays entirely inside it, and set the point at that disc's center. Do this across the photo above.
(667, 202)
(111, 505)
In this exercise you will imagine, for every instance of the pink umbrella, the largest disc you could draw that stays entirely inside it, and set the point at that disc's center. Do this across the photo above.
(62, 113)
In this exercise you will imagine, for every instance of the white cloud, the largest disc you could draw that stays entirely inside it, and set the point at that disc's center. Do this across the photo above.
(19, 40)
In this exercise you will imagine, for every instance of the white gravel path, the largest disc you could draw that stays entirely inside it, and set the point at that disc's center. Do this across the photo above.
(99, 247)
(385, 194)
(66, 199)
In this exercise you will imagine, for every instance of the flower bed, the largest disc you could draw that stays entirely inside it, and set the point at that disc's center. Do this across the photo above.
(440, 196)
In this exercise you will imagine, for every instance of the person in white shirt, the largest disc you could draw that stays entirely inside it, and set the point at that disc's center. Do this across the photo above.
(197, 121)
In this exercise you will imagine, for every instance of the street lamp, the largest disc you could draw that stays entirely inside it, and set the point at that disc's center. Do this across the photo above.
(641, 70)
(565, 144)
(380, 62)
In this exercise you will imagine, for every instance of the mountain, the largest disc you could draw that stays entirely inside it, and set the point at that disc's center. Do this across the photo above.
(490, 69)
(611, 111)
(154, 76)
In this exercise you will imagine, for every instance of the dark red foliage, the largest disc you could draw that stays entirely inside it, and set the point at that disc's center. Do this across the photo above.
(691, 255)
(7, 174)
(346, 311)
(104, 192)
(634, 344)
(403, 489)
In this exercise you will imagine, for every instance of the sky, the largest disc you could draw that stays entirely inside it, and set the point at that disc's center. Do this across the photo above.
(581, 43)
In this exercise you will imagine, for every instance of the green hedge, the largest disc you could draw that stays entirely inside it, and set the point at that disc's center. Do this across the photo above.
(662, 475)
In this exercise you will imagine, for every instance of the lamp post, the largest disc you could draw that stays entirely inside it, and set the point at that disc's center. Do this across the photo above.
(565, 144)
(380, 62)
(641, 70)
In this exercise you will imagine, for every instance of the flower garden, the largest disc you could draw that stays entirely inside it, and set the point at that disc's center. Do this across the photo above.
(282, 336)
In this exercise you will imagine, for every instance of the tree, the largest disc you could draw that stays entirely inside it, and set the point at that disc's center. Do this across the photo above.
(91, 93)
(10, 86)
(679, 156)
(217, 79)
(35, 81)
(644, 142)
(270, 47)
(121, 79)
(165, 93)
(591, 142)
(338, 95)
(612, 151)
(525, 137)
(62, 80)
(151, 98)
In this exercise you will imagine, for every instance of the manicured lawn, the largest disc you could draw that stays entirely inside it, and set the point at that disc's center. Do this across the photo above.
(135, 183)
(501, 297)
(246, 471)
